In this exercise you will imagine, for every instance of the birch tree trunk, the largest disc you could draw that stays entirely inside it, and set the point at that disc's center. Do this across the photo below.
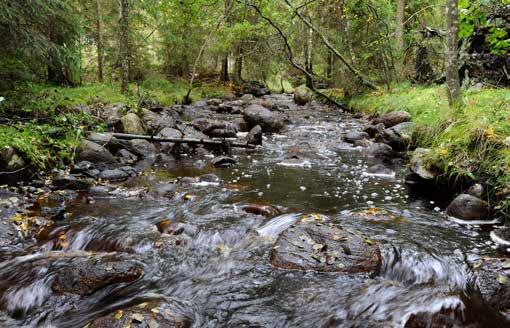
(309, 58)
(399, 37)
(124, 45)
(100, 44)
(452, 52)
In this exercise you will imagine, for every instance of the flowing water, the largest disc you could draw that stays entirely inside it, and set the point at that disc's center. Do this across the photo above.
(220, 274)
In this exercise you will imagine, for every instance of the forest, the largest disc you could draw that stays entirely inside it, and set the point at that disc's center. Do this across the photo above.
(255, 163)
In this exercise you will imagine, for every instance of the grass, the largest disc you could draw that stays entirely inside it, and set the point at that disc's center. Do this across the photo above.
(466, 143)
(44, 125)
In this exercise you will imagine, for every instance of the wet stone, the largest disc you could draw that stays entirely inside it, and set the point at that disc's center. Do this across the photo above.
(72, 182)
(269, 121)
(151, 314)
(91, 151)
(114, 175)
(223, 161)
(86, 275)
(468, 207)
(354, 136)
(265, 210)
(493, 280)
(254, 137)
(309, 246)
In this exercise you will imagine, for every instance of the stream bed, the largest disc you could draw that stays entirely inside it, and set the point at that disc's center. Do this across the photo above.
(202, 257)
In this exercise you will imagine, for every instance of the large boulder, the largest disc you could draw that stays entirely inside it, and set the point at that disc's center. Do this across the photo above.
(72, 182)
(92, 152)
(303, 95)
(215, 129)
(468, 207)
(86, 275)
(112, 113)
(493, 281)
(254, 88)
(155, 122)
(399, 136)
(142, 148)
(10, 160)
(132, 124)
(269, 121)
(314, 246)
(150, 314)
(167, 147)
(393, 118)
(419, 165)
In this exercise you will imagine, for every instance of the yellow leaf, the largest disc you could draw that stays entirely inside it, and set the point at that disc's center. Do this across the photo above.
(118, 315)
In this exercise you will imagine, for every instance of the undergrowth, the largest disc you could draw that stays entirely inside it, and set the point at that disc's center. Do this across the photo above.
(45, 124)
(470, 142)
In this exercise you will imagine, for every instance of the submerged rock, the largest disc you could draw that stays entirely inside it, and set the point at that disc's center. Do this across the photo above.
(91, 151)
(319, 247)
(302, 95)
(86, 275)
(269, 121)
(393, 118)
(152, 314)
(468, 207)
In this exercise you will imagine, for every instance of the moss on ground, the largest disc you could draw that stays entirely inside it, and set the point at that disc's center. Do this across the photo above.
(465, 142)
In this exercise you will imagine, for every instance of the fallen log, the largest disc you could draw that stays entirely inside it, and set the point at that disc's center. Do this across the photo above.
(192, 141)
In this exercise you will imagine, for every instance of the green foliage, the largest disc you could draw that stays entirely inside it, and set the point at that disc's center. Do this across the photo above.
(474, 15)
(467, 143)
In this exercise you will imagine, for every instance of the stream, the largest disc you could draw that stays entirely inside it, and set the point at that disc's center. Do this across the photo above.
(214, 268)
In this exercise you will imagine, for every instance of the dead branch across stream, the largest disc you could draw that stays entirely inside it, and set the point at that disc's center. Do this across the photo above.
(208, 142)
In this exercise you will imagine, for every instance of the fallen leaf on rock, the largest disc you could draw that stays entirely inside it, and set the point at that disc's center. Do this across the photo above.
(502, 279)
(137, 317)
(118, 315)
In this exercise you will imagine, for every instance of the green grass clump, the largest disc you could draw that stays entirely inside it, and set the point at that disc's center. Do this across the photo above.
(467, 142)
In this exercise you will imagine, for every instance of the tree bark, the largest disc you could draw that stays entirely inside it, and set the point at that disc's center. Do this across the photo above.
(124, 45)
(100, 46)
(309, 58)
(224, 68)
(399, 37)
(238, 69)
(329, 66)
(452, 52)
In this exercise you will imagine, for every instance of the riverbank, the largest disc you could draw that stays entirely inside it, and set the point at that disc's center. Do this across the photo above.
(469, 144)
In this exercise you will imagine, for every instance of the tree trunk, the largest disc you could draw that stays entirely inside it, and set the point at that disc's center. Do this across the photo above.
(124, 45)
(238, 69)
(309, 59)
(399, 37)
(329, 66)
(224, 68)
(100, 46)
(452, 52)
